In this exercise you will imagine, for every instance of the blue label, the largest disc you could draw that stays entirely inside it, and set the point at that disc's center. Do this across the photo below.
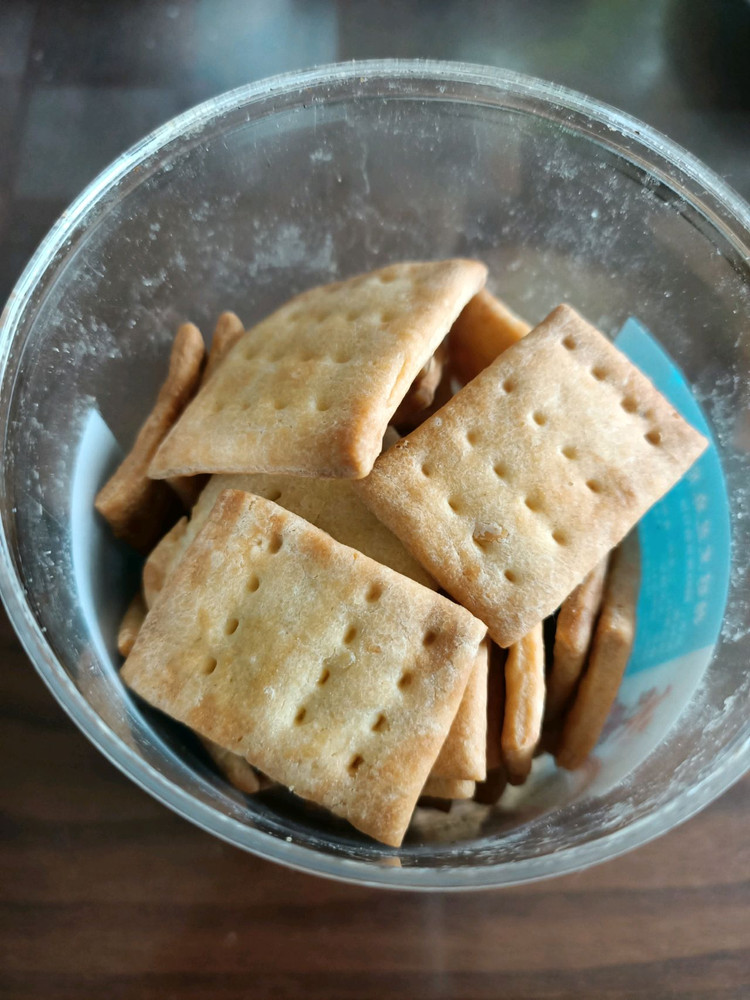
(685, 538)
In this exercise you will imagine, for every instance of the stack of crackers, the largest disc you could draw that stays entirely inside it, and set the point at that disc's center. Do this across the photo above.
(389, 484)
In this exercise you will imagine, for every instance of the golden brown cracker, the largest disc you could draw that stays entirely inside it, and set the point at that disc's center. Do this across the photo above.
(610, 651)
(130, 625)
(513, 491)
(421, 392)
(136, 507)
(234, 768)
(573, 632)
(227, 332)
(163, 558)
(464, 753)
(311, 389)
(485, 328)
(524, 704)
(331, 673)
(447, 788)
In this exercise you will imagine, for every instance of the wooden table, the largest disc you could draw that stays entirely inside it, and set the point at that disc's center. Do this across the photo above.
(105, 893)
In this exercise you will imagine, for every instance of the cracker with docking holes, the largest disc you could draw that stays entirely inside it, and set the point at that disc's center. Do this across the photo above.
(310, 390)
(135, 506)
(485, 328)
(573, 632)
(513, 491)
(610, 651)
(333, 506)
(328, 671)
(524, 704)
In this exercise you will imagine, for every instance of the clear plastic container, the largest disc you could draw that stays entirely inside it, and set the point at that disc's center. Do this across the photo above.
(275, 187)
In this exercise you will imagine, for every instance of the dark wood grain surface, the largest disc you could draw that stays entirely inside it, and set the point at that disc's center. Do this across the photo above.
(103, 892)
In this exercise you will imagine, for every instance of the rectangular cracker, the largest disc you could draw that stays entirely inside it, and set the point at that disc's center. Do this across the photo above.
(495, 705)
(521, 484)
(331, 673)
(573, 632)
(310, 390)
(448, 788)
(610, 651)
(464, 753)
(524, 704)
(485, 328)
(136, 507)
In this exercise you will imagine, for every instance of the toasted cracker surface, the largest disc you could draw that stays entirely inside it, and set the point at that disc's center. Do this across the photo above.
(330, 672)
(227, 332)
(310, 390)
(610, 651)
(524, 704)
(513, 491)
(135, 506)
(485, 328)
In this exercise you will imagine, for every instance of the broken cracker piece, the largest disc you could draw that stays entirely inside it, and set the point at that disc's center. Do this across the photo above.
(485, 328)
(573, 632)
(524, 704)
(329, 672)
(130, 625)
(610, 651)
(522, 483)
(310, 390)
(136, 507)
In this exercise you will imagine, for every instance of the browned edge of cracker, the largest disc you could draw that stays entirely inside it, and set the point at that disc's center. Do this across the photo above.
(463, 755)
(610, 652)
(227, 332)
(524, 704)
(130, 625)
(235, 769)
(136, 507)
(448, 788)
(421, 393)
(484, 329)
(162, 560)
(573, 634)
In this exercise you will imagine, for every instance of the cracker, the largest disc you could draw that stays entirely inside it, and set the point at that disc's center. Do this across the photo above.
(234, 768)
(329, 504)
(162, 560)
(227, 332)
(489, 791)
(522, 483)
(485, 328)
(610, 651)
(331, 673)
(573, 632)
(130, 625)
(421, 392)
(138, 508)
(524, 704)
(448, 788)
(464, 753)
(310, 390)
